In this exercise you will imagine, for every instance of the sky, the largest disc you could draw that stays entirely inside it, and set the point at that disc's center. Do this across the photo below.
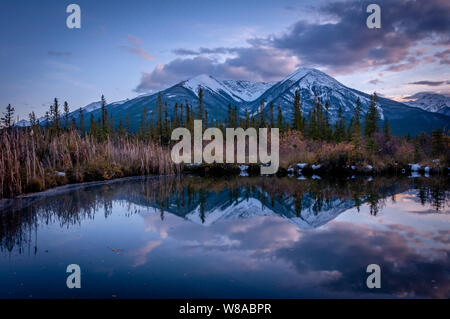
(128, 48)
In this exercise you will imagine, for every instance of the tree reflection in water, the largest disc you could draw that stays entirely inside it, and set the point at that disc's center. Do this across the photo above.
(181, 196)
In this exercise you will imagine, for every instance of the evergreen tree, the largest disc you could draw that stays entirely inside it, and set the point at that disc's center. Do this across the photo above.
(235, 116)
(93, 127)
(104, 119)
(339, 133)
(66, 115)
(82, 124)
(371, 123)
(55, 115)
(372, 117)
(272, 120)
(280, 123)
(8, 117)
(127, 125)
(327, 127)
(246, 119)
(159, 119)
(143, 126)
(200, 110)
(120, 129)
(437, 142)
(32, 119)
(298, 123)
(387, 129)
(355, 126)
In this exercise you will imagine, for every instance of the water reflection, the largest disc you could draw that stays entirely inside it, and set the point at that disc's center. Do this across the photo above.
(240, 237)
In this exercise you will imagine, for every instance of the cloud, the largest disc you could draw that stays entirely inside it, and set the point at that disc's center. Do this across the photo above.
(375, 81)
(134, 46)
(256, 63)
(339, 42)
(430, 83)
(57, 53)
(348, 44)
(444, 56)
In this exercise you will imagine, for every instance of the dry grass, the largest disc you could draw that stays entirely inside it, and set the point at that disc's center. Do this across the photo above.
(30, 160)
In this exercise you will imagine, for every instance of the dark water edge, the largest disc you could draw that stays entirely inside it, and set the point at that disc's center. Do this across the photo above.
(235, 237)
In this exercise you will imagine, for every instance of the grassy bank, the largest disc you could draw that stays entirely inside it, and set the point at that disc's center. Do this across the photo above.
(35, 160)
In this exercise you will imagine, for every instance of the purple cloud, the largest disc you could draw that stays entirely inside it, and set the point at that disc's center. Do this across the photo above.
(135, 47)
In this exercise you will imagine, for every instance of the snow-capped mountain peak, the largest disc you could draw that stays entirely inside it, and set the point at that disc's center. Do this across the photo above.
(205, 82)
(238, 90)
(429, 101)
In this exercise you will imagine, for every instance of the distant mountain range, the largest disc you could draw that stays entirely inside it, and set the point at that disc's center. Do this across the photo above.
(431, 102)
(218, 94)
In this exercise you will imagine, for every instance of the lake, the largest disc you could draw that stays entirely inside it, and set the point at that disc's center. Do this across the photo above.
(240, 237)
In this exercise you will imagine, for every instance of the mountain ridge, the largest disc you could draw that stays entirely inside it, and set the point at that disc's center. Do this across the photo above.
(246, 95)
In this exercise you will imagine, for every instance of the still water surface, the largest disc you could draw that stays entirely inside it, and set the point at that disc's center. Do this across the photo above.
(232, 238)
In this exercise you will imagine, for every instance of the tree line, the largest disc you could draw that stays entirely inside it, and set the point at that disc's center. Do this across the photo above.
(316, 125)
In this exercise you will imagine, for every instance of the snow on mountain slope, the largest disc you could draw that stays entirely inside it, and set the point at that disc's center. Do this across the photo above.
(431, 102)
(246, 90)
(241, 209)
(238, 90)
(252, 207)
(311, 83)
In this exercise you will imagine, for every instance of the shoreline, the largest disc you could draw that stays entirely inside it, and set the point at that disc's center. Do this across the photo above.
(27, 199)
(300, 172)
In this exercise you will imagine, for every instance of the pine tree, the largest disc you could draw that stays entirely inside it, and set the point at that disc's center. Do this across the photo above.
(127, 125)
(272, 120)
(66, 115)
(120, 129)
(372, 117)
(33, 121)
(93, 127)
(159, 118)
(235, 116)
(166, 127)
(82, 124)
(371, 123)
(8, 119)
(297, 123)
(47, 120)
(104, 119)
(246, 119)
(55, 116)
(387, 129)
(143, 126)
(200, 111)
(354, 131)
(339, 134)
(437, 142)
(280, 123)
(327, 127)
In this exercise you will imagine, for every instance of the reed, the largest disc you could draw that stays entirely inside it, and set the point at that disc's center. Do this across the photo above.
(34, 160)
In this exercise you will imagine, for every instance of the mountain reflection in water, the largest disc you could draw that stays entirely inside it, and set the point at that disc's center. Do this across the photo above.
(236, 237)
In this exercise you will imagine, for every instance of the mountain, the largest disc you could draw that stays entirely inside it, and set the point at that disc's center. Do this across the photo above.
(431, 102)
(245, 95)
